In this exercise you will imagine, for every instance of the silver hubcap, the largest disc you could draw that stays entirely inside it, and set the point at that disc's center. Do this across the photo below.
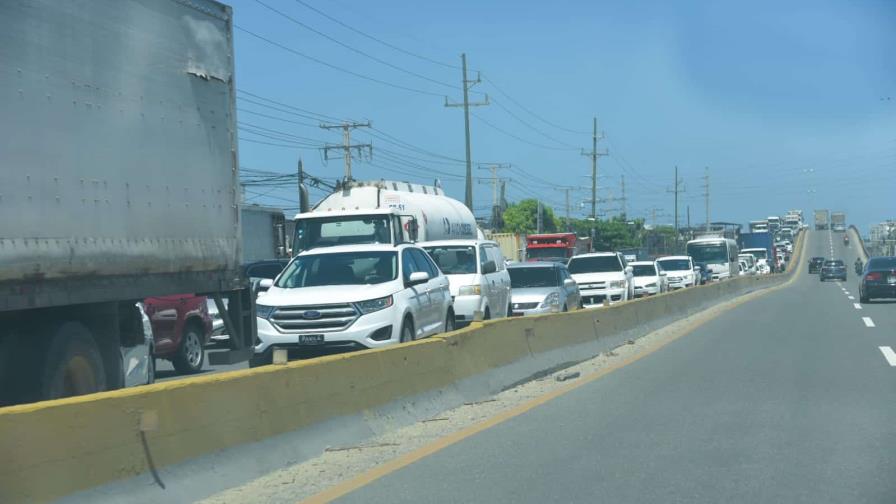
(193, 349)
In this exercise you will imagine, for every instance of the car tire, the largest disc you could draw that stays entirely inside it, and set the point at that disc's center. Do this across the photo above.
(407, 331)
(581, 304)
(565, 308)
(263, 359)
(863, 298)
(190, 354)
(449, 322)
(487, 315)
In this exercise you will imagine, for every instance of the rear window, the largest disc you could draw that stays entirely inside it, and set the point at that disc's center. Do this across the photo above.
(644, 270)
(882, 263)
(594, 264)
(833, 263)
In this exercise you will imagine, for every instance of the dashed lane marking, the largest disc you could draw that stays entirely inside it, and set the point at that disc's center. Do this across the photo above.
(857, 306)
(868, 322)
(851, 298)
(889, 354)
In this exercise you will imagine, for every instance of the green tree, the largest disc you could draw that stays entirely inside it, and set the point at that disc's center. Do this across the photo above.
(522, 218)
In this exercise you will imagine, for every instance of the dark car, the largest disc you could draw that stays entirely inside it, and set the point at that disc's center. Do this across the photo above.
(835, 269)
(815, 264)
(878, 279)
(256, 272)
(181, 326)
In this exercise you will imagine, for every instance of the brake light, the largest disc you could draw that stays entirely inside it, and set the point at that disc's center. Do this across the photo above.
(874, 275)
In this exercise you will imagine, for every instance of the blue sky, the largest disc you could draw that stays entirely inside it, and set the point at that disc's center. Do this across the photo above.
(785, 102)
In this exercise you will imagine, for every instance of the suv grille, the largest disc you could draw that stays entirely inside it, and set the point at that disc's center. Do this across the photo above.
(594, 285)
(301, 318)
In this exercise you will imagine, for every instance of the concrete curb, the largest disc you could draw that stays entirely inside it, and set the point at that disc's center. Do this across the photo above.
(209, 433)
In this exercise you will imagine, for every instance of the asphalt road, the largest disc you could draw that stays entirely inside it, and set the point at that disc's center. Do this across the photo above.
(785, 398)
(165, 371)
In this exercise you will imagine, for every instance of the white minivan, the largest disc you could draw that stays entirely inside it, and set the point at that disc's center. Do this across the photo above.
(679, 270)
(353, 297)
(477, 274)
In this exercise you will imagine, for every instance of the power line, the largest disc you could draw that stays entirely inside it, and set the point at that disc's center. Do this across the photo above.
(515, 137)
(533, 114)
(354, 49)
(533, 128)
(375, 39)
(334, 67)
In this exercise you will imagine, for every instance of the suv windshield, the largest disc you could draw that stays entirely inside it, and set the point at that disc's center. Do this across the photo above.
(521, 278)
(594, 264)
(643, 270)
(349, 268)
(454, 260)
(674, 264)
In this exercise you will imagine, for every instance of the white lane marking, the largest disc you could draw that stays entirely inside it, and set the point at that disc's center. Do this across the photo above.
(846, 292)
(889, 354)
(857, 306)
(868, 322)
(851, 298)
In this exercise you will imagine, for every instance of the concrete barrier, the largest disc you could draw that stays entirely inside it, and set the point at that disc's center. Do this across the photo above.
(55, 448)
(857, 239)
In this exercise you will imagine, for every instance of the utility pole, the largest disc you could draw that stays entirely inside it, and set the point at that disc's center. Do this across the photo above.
(678, 189)
(466, 85)
(496, 203)
(622, 200)
(594, 154)
(347, 146)
(539, 220)
(706, 195)
(566, 195)
(303, 191)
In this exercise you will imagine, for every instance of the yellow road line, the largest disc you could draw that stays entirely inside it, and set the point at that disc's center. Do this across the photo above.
(375, 473)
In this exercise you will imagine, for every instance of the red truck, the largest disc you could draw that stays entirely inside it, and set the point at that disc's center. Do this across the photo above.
(557, 247)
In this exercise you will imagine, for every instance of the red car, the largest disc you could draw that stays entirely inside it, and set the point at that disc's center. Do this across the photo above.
(181, 327)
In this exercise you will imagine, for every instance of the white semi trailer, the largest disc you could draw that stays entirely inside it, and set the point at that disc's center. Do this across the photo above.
(383, 212)
(119, 181)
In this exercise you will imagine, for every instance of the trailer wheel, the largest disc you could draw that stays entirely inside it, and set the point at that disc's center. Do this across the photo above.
(73, 364)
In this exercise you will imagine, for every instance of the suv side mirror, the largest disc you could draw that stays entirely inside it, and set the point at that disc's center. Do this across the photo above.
(417, 278)
(629, 269)
(697, 268)
(663, 273)
(569, 282)
(265, 284)
(489, 267)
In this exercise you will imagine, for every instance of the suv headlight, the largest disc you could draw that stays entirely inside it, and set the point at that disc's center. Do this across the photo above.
(264, 311)
(553, 299)
(372, 305)
(617, 284)
(470, 290)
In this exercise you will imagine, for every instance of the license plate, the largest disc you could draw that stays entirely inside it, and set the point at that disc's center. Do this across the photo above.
(311, 339)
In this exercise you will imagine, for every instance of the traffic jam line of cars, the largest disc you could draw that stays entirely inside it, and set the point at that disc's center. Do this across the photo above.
(877, 280)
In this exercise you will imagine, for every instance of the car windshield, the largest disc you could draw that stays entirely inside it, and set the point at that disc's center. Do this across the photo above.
(521, 278)
(348, 268)
(643, 270)
(709, 253)
(594, 264)
(546, 253)
(454, 259)
(674, 264)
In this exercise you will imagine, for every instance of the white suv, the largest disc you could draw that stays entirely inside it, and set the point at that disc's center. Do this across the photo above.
(602, 275)
(353, 297)
(478, 278)
(679, 271)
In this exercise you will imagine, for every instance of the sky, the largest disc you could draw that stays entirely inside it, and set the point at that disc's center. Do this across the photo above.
(786, 105)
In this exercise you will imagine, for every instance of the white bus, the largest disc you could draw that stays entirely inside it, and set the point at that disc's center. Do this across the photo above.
(718, 254)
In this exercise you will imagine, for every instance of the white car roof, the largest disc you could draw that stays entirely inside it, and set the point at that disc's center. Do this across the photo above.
(673, 257)
(642, 263)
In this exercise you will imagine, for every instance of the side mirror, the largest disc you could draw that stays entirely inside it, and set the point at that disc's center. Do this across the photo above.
(663, 273)
(265, 284)
(489, 267)
(569, 282)
(697, 269)
(629, 269)
(418, 277)
(413, 229)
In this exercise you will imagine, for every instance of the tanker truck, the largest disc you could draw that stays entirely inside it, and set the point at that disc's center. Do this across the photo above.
(119, 181)
(383, 212)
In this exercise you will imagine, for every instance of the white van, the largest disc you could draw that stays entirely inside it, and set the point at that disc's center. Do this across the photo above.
(679, 270)
(477, 274)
